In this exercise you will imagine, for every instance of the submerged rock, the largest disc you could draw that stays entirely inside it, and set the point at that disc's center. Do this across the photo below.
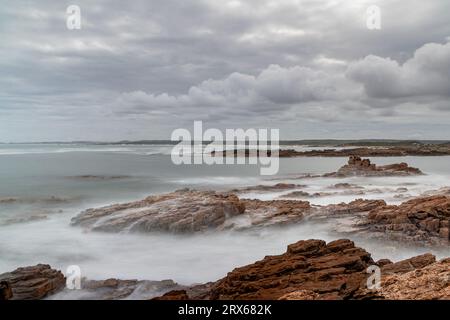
(31, 283)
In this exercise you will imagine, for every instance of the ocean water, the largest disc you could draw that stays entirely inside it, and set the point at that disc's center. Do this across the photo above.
(43, 186)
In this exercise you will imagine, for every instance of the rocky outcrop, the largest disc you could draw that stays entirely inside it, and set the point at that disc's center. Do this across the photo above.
(308, 270)
(31, 283)
(190, 211)
(363, 167)
(336, 270)
(356, 206)
(407, 265)
(272, 213)
(424, 219)
(315, 270)
(431, 282)
(179, 212)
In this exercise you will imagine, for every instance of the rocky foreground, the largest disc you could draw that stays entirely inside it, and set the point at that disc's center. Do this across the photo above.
(308, 270)
(31, 283)
(315, 270)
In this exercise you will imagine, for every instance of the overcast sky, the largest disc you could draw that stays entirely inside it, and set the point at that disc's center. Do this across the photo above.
(140, 69)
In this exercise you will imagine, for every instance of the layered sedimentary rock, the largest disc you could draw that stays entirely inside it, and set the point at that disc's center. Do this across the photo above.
(181, 211)
(31, 283)
(336, 270)
(273, 213)
(315, 270)
(425, 219)
(431, 282)
(355, 206)
(308, 270)
(422, 220)
(363, 167)
(190, 211)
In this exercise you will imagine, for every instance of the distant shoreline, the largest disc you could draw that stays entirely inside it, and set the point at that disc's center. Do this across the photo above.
(304, 142)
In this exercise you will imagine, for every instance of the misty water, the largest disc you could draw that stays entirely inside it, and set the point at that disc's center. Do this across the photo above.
(43, 186)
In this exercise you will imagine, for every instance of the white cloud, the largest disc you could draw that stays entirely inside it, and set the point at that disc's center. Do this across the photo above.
(427, 73)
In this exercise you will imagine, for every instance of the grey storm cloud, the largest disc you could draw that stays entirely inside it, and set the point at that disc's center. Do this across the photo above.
(138, 70)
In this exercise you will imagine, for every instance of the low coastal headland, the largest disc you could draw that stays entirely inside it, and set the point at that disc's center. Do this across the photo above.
(309, 269)
(351, 149)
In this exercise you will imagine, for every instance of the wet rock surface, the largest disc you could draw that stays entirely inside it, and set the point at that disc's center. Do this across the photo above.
(31, 283)
(273, 213)
(335, 271)
(357, 166)
(190, 211)
(308, 270)
(424, 219)
(117, 289)
(315, 270)
(183, 211)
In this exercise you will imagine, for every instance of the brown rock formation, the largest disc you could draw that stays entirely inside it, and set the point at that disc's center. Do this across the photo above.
(179, 212)
(356, 206)
(421, 219)
(275, 212)
(363, 167)
(188, 211)
(31, 283)
(407, 265)
(5, 291)
(336, 270)
(314, 270)
(431, 282)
